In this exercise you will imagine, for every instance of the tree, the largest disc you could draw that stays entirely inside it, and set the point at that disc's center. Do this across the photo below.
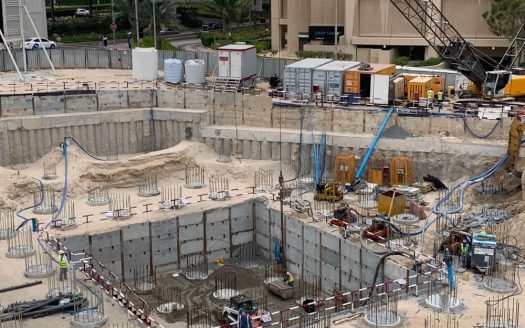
(505, 17)
(165, 14)
(228, 10)
(125, 10)
(90, 8)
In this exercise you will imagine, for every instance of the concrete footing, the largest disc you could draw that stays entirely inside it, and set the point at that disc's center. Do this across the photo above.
(89, 319)
(382, 319)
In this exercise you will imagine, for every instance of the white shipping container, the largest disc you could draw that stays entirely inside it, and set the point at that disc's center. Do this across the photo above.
(329, 77)
(379, 85)
(297, 77)
(237, 61)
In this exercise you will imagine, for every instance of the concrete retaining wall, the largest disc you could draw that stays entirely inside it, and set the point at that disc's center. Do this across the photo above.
(309, 250)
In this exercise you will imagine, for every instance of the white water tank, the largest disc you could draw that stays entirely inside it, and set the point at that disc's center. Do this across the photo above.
(173, 70)
(195, 71)
(145, 64)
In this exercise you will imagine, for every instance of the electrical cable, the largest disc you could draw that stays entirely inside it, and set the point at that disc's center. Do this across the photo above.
(465, 124)
(25, 220)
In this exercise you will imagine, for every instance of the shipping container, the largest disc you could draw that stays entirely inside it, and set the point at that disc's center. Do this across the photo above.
(328, 78)
(297, 77)
(359, 79)
(379, 89)
(237, 61)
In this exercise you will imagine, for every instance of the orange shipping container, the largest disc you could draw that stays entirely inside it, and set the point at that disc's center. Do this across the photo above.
(352, 83)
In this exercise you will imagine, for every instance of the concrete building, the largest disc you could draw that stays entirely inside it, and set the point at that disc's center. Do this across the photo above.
(374, 30)
(11, 24)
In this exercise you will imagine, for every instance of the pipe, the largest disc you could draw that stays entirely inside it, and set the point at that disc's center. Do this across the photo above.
(29, 284)
(374, 142)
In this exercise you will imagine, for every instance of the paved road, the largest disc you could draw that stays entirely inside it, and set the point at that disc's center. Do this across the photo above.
(191, 45)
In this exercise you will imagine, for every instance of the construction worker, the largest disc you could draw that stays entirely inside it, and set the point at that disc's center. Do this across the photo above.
(63, 263)
(483, 230)
(289, 279)
(463, 252)
(440, 100)
(244, 319)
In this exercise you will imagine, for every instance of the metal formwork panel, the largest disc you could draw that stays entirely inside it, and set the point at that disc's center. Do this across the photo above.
(32, 59)
(97, 58)
(57, 57)
(8, 64)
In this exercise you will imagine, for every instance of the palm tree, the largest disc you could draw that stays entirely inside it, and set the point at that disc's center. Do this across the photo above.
(229, 10)
(125, 9)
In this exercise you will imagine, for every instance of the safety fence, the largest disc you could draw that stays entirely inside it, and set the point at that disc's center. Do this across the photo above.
(89, 58)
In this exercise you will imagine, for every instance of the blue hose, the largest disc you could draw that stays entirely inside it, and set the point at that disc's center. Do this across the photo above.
(373, 145)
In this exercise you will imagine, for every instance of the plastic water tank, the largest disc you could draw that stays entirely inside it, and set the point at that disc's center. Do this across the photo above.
(195, 71)
(173, 70)
(145, 64)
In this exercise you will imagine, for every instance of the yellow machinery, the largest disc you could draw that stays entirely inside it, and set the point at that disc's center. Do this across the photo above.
(328, 192)
(344, 168)
(376, 165)
(515, 135)
(422, 83)
(401, 171)
(504, 84)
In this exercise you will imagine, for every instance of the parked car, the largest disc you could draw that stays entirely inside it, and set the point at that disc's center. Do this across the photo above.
(34, 43)
(81, 12)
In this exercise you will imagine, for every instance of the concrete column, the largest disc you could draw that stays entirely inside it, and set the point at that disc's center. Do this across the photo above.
(247, 149)
(210, 142)
(218, 146)
(196, 129)
(276, 151)
(256, 150)
(176, 132)
(286, 153)
(4, 149)
(31, 146)
(41, 149)
(227, 147)
(15, 145)
(126, 138)
(266, 150)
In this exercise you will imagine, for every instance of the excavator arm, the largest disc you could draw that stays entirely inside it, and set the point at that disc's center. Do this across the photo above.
(515, 135)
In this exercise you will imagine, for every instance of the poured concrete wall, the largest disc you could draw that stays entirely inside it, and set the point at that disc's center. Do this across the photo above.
(309, 250)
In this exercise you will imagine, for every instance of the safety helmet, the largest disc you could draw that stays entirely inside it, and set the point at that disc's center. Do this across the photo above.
(61, 252)
(241, 310)
(464, 241)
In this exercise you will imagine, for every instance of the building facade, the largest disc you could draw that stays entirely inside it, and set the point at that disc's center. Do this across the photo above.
(14, 28)
(373, 30)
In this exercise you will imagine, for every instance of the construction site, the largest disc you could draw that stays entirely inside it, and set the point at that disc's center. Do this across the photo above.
(151, 188)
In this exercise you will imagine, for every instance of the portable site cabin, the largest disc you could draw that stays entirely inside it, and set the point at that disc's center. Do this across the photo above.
(328, 78)
(298, 77)
(237, 61)
(369, 81)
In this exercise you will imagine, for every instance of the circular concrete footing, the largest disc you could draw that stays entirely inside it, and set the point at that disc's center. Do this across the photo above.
(382, 319)
(500, 285)
(63, 290)
(197, 275)
(405, 219)
(269, 280)
(89, 319)
(225, 293)
(499, 324)
(168, 204)
(221, 195)
(97, 201)
(39, 271)
(7, 233)
(45, 209)
(194, 185)
(144, 287)
(20, 251)
(169, 307)
(50, 176)
(439, 302)
(149, 192)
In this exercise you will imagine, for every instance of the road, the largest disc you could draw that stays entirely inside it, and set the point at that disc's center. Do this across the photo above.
(191, 45)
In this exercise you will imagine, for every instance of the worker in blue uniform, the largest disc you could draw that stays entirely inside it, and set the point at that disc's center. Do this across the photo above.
(244, 319)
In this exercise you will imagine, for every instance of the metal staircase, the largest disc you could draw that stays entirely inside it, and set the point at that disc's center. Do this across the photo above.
(227, 84)
(435, 28)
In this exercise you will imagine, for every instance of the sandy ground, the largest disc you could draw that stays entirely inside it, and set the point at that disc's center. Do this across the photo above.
(123, 176)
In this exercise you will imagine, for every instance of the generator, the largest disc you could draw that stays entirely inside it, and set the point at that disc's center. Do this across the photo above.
(483, 254)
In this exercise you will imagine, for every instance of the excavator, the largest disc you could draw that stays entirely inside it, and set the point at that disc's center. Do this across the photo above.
(495, 81)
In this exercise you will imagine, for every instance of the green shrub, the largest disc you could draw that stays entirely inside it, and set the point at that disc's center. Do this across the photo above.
(262, 45)
(78, 3)
(83, 37)
(429, 62)
(149, 42)
(401, 60)
(207, 39)
(80, 25)
(323, 54)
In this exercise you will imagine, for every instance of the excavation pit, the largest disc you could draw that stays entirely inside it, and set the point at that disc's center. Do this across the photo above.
(89, 318)
(382, 319)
